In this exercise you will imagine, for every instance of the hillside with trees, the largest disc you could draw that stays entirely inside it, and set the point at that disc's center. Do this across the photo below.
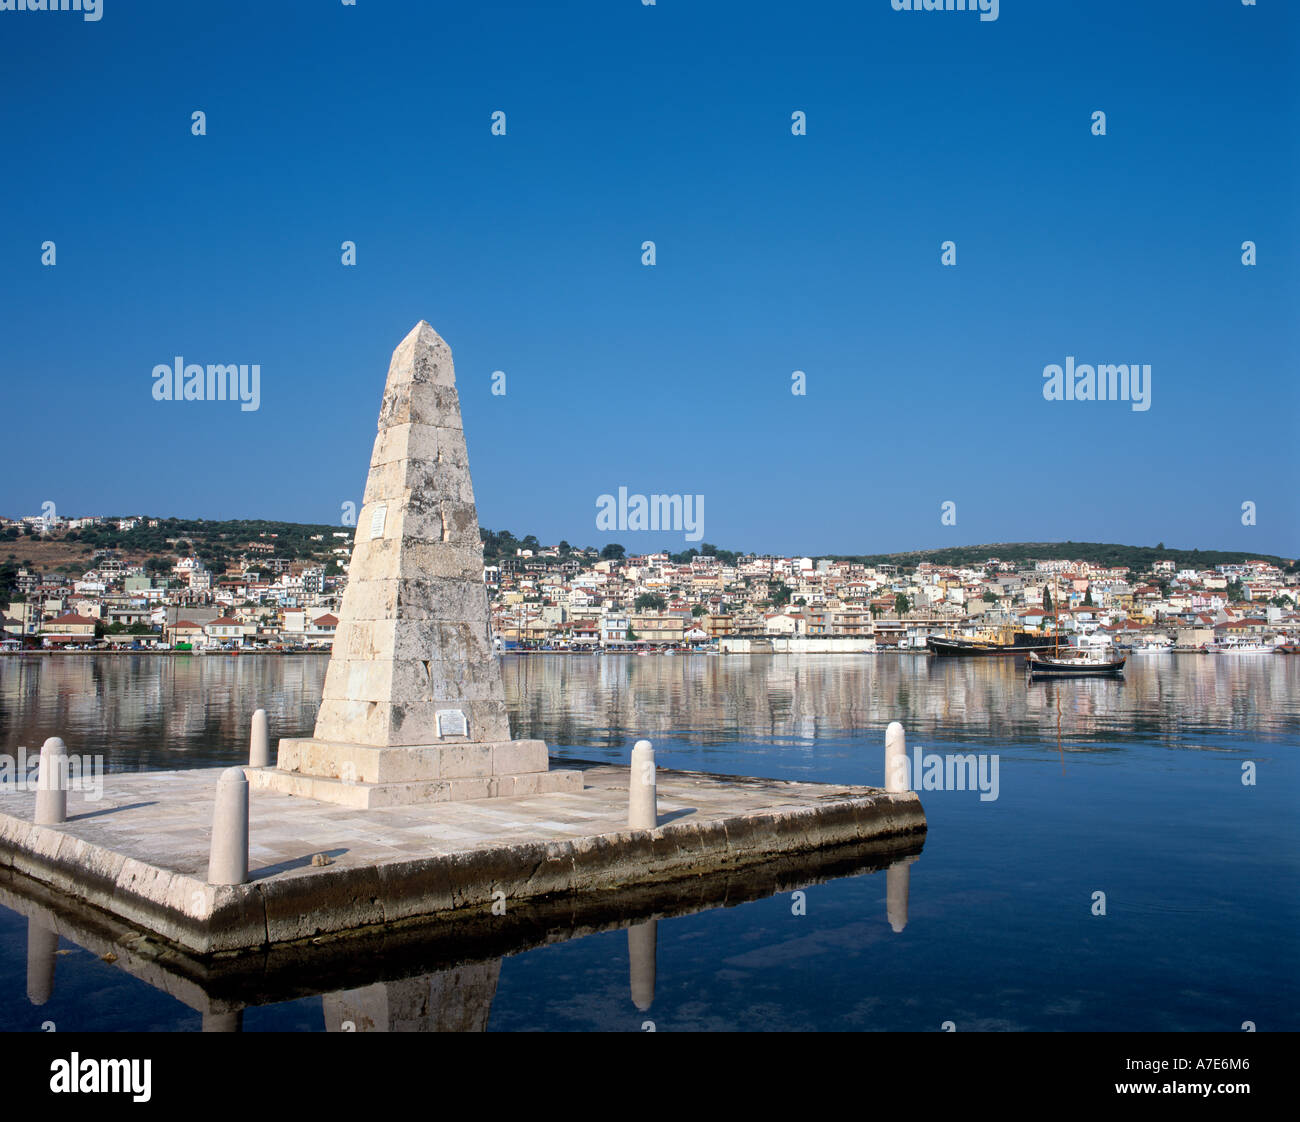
(1139, 558)
(217, 543)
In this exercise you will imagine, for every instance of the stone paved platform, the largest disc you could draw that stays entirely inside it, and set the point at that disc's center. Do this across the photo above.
(141, 852)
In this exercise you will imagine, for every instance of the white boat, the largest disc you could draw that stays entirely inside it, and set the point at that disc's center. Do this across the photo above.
(1235, 646)
(1153, 644)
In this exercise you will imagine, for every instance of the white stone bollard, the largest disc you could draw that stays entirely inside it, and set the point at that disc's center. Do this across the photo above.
(642, 803)
(52, 784)
(896, 769)
(228, 860)
(259, 743)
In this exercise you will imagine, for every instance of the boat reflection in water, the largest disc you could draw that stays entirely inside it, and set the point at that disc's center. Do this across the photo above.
(425, 978)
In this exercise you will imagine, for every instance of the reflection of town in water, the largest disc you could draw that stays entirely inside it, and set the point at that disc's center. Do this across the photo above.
(761, 714)
(606, 700)
(154, 711)
(168, 711)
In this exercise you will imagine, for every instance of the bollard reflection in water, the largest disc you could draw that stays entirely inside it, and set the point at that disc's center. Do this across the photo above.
(42, 943)
(642, 940)
(898, 882)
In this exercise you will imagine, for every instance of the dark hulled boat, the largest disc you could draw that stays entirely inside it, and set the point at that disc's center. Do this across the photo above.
(1011, 644)
(1075, 664)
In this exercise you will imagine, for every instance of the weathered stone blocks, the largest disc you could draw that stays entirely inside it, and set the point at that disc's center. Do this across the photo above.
(413, 638)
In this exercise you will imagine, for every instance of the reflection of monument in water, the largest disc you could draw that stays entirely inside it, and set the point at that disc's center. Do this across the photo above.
(460, 999)
(229, 1020)
(455, 1000)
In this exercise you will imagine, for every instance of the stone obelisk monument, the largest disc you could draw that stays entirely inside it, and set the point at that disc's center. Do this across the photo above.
(413, 708)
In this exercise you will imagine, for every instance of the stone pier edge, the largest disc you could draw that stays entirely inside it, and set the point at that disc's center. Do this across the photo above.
(206, 919)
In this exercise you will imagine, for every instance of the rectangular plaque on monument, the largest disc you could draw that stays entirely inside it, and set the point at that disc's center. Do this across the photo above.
(451, 722)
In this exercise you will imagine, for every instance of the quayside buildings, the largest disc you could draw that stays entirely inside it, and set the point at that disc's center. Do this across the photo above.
(559, 598)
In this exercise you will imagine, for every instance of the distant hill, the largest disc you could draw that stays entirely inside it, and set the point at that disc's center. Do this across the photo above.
(217, 542)
(1136, 557)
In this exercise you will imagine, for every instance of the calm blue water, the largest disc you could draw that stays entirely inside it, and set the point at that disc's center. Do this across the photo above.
(1142, 799)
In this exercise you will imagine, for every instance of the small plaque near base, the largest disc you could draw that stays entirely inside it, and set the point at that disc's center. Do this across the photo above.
(451, 722)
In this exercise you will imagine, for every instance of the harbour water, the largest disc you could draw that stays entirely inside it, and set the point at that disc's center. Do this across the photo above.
(1140, 796)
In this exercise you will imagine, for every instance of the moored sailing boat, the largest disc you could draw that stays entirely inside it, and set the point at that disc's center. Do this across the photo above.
(1078, 663)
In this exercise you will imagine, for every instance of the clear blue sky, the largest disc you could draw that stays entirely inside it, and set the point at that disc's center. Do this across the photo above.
(776, 253)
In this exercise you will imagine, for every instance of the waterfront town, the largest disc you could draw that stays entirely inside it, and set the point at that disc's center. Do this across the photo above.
(267, 597)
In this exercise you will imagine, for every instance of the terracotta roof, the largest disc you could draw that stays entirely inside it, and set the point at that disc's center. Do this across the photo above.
(72, 618)
(187, 623)
(326, 620)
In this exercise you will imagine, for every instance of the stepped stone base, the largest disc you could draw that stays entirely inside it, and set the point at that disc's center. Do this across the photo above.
(364, 777)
